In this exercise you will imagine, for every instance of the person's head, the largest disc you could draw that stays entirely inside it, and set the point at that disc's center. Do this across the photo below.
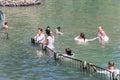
(48, 32)
(39, 30)
(68, 51)
(58, 28)
(6, 22)
(48, 28)
(111, 65)
(100, 29)
(82, 35)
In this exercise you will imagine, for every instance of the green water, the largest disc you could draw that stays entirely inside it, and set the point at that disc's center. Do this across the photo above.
(18, 59)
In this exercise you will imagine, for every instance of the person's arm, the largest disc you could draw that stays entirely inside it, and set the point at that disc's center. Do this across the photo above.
(46, 42)
(95, 69)
(88, 40)
(76, 38)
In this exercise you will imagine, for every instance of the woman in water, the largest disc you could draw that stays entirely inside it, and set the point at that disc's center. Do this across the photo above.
(50, 40)
(81, 39)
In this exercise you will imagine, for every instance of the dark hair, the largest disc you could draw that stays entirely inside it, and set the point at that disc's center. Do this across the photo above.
(82, 35)
(111, 63)
(40, 29)
(58, 28)
(48, 28)
(48, 32)
(68, 51)
(6, 22)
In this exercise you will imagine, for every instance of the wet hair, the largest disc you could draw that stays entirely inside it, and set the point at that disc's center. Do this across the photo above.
(111, 63)
(40, 29)
(82, 35)
(48, 32)
(6, 22)
(58, 28)
(48, 28)
(68, 51)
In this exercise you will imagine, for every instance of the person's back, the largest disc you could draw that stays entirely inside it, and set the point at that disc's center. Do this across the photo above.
(57, 31)
(50, 42)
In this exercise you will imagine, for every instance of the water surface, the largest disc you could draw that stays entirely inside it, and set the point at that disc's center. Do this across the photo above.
(18, 60)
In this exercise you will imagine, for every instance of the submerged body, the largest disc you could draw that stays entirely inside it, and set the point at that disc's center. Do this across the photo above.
(81, 39)
(102, 36)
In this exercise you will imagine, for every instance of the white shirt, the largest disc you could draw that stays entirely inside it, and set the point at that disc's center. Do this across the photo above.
(50, 42)
(82, 41)
(116, 71)
(105, 38)
(40, 38)
(69, 55)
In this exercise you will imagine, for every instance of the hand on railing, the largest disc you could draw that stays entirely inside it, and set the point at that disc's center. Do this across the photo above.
(93, 66)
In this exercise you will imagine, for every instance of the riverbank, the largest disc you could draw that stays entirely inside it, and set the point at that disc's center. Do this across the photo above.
(14, 3)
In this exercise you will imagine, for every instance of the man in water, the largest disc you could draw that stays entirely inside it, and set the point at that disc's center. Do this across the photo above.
(111, 68)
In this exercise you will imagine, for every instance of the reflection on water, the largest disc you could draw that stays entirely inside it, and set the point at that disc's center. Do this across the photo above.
(18, 58)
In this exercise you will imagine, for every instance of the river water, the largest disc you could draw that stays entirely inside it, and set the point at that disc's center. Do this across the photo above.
(18, 59)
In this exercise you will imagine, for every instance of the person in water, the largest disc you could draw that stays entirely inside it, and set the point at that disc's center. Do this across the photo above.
(5, 27)
(50, 40)
(68, 52)
(81, 39)
(57, 31)
(102, 37)
(48, 28)
(111, 68)
(40, 37)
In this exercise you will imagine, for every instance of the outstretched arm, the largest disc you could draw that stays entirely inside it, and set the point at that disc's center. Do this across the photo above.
(76, 38)
(92, 39)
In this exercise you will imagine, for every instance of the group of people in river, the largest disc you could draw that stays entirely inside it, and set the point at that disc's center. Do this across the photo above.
(81, 39)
